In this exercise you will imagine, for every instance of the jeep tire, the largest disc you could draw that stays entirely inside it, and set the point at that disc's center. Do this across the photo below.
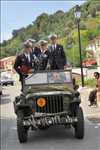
(21, 130)
(79, 126)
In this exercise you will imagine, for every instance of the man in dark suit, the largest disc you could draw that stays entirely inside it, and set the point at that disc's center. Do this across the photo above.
(40, 54)
(57, 58)
(35, 48)
(23, 63)
(43, 55)
(35, 52)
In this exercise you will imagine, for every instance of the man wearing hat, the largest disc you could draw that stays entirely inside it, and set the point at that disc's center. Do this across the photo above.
(43, 55)
(57, 58)
(35, 48)
(23, 63)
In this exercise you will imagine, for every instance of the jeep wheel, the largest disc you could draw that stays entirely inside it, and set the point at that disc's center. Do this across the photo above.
(12, 83)
(21, 130)
(79, 126)
(0, 93)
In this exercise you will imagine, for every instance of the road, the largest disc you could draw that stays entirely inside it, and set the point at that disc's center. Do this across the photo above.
(55, 138)
(87, 72)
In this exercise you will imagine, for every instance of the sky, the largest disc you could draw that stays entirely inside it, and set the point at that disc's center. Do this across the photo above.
(16, 14)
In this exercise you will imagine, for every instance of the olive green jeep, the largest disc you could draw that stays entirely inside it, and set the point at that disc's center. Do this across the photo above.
(49, 98)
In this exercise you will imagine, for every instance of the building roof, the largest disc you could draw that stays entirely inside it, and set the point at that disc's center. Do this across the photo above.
(93, 41)
(8, 58)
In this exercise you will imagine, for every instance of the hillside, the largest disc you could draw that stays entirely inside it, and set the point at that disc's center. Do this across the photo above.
(62, 24)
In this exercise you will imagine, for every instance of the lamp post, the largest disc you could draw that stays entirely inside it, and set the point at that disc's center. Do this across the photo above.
(77, 14)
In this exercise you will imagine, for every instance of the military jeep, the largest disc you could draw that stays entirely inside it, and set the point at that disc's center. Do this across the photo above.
(49, 98)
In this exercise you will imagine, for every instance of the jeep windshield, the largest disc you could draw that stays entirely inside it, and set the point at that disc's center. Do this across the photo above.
(51, 77)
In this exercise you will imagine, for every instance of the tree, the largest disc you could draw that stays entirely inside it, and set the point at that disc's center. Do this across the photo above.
(41, 20)
(82, 26)
(67, 31)
(90, 36)
(4, 43)
(15, 33)
(69, 24)
(97, 7)
(22, 36)
(61, 23)
(85, 14)
(92, 11)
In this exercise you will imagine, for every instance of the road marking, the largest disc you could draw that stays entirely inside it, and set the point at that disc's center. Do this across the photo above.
(96, 127)
(14, 128)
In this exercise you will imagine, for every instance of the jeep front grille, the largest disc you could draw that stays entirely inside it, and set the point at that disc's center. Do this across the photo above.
(54, 104)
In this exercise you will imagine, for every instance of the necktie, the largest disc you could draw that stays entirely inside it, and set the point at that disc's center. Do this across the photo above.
(53, 47)
(28, 57)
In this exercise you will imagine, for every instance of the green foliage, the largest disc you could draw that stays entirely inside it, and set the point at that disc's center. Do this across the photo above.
(92, 11)
(63, 24)
(88, 82)
(83, 26)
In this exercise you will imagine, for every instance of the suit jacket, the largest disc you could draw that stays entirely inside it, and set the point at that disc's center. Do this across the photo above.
(57, 58)
(36, 51)
(42, 58)
(22, 64)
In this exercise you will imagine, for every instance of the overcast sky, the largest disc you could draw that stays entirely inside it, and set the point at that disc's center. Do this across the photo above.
(17, 14)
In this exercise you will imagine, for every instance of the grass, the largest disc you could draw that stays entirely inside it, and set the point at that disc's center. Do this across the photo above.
(88, 82)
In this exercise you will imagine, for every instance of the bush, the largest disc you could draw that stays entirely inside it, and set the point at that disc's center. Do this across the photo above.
(92, 11)
(82, 26)
(88, 82)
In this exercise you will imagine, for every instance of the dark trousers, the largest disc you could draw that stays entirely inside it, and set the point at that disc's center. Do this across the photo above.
(56, 67)
(22, 85)
(22, 78)
(92, 96)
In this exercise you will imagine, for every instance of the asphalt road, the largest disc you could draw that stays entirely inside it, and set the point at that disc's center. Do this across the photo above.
(55, 138)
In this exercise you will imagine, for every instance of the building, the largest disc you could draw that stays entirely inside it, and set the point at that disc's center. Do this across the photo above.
(93, 50)
(7, 63)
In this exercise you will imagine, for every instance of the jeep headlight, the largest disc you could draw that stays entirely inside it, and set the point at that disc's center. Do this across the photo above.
(41, 102)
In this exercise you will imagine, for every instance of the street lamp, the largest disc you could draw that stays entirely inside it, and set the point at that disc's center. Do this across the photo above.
(77, 14)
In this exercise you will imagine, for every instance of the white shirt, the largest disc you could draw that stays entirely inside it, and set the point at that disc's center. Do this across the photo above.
(27, 55)
(43, 51)
(54, 46)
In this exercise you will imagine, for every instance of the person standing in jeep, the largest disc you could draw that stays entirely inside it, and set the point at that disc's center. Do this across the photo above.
(23, 63)
(57, 58)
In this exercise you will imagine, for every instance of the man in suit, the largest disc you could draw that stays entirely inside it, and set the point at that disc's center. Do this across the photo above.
(57, 58)
(23, 63)
(40, 54)
(35, 51)
(43, 55)
(35, 48)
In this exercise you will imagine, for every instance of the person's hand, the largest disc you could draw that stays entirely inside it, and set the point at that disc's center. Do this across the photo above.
(66, 67)
(36, 60)
(30, 70)
(24, 75)
(48, 67)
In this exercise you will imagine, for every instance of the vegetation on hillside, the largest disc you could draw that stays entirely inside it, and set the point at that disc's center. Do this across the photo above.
(64, 25)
